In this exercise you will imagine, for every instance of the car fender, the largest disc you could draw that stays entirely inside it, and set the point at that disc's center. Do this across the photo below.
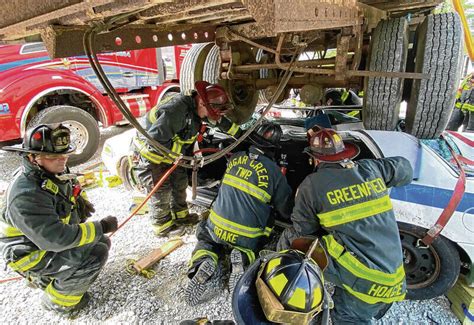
(422, 202)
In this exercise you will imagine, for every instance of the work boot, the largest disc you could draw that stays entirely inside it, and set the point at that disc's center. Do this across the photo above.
(189, 220)
(37, 282)
(172, 230)
(62, 310)
(195, 292)
(237, 260)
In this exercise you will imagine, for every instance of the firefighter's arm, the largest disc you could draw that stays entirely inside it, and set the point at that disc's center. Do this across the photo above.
(227, 126)
(36, 217)
(169, 123)
(304, 216)
(282, 199)
(397, 171)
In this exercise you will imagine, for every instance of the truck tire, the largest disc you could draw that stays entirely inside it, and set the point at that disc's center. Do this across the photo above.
(388, 52)
(432, 271)
(85, 133)
(438, 53)
(193, 66)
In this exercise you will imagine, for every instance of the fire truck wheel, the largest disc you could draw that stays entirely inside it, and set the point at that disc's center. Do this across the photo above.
(85, 133)
(430, 271)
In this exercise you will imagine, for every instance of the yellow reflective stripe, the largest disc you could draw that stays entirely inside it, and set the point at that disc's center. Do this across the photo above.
(247, 187)
(278, 283)
(354, 266)
(355, 212)
(344, 96)
(353, 113)
(233, 129)
(181, 214)
(233, 227)
(66, 219)
(27, 262)
(467, 107)
(203, 252)
(9, 231)
(60, 299)
(373, 300)
(191, 140)
(87, 233)
(160, 228)
(250, 253)
(50, 186)
(272, 264)
(151, 156)
(298, 299)
(152, 115)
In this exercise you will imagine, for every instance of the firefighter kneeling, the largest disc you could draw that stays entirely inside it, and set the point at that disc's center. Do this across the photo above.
(285, 287)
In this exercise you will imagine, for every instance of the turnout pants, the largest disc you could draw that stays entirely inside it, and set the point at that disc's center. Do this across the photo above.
(349, 309)
(208, 247)
(67, 275)
(169, 202)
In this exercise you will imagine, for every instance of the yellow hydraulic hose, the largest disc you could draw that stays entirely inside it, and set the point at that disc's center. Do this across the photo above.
(467, 33)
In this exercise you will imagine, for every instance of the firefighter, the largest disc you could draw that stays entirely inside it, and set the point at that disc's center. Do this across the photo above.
(44, 231)
(176, 124)
(347, 204)
(241, 218)
(463, 113)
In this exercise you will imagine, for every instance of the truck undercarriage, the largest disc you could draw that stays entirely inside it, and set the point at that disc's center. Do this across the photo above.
(378, 47)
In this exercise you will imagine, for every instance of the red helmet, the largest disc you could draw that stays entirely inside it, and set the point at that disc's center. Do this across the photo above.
(327, 145)
(214, 97)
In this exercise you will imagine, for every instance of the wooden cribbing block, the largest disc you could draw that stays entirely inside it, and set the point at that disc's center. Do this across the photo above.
(157, 254)
(459, 295)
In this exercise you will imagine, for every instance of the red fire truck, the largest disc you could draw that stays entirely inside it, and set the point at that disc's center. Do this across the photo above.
(37, 89)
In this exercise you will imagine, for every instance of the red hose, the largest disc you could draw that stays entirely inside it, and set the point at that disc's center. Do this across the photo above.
(155, 188)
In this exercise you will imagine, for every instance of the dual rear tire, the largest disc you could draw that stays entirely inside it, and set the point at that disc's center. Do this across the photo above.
(438, 53)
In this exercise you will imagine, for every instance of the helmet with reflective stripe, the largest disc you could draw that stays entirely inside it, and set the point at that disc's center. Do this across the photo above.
(214, 97)
(295, 282)
(267, 135)
(327, 145)
(285, 287)
(48, 139)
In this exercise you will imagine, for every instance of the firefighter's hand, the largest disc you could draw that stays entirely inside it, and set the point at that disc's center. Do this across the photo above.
(85, 208)
(286, 238)
(109, 224)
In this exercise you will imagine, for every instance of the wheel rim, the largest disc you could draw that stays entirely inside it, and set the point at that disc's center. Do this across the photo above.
(79, 135)
(422, 265)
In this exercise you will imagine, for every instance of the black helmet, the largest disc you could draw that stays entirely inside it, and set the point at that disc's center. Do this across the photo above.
(266, 135)
(48, 139)
(284, 287)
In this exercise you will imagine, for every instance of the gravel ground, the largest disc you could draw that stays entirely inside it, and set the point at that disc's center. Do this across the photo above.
(118, 297)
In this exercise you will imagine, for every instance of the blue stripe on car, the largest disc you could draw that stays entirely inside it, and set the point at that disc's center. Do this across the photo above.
(430, 196)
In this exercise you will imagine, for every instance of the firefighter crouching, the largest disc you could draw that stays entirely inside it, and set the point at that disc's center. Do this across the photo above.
(348, 204)
(176, 124)
(241, 218)
(44, 231)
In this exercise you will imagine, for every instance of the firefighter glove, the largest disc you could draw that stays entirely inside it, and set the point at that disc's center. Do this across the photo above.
(85, 208)
(109, 224)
